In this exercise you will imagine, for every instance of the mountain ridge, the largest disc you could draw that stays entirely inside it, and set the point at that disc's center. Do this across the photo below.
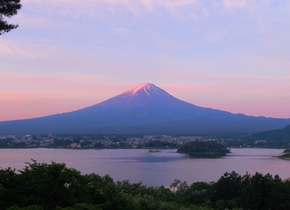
(272, 135)
(144, 109)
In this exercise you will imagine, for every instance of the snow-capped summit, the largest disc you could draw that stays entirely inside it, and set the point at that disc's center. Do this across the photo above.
(143, 86)
(148, 88)
(144, 93)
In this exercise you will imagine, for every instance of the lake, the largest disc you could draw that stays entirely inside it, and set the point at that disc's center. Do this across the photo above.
(153, 168)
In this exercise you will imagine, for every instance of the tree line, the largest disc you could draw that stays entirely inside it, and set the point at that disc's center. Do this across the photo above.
(41, 186)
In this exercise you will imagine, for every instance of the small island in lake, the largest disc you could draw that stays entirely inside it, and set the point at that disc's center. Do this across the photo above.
(203, 149)
(154, 150)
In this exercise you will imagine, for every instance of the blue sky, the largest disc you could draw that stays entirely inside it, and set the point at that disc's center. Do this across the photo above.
(226, 54)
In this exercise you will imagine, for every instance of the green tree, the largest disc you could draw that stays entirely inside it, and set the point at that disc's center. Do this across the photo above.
(8, 186)
(8, 8)
(80, 206)
(33, 207)
(49, 185)
(97, 189)
(265, 192)
(199, 193)
(227, 190)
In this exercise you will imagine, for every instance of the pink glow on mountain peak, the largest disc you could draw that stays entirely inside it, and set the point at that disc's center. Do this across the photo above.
(142, 86)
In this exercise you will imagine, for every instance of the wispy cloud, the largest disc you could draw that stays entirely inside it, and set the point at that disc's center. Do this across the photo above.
(56, 81)
(85, 8)
(10, 49)
(74, 8)
(232, 4)
(137, 6)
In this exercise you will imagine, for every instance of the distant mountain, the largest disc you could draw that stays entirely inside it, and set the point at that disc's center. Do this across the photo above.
(145, 109)
(279, 134)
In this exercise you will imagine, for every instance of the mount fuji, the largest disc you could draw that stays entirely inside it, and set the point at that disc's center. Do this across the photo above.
(145, 109)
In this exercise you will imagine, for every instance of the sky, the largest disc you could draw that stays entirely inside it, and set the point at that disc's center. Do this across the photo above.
(231, 55)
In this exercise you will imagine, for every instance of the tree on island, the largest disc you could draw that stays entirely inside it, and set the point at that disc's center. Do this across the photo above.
(203, 149)
(8, 8)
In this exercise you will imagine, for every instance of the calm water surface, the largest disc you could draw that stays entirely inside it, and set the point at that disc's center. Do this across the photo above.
(159, 168)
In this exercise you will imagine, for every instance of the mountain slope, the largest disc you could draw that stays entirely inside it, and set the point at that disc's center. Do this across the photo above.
(273, 135)
(145, 109)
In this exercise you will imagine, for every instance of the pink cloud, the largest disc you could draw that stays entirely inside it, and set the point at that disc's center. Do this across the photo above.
(231, 4)
(56, 83)
(7, 48)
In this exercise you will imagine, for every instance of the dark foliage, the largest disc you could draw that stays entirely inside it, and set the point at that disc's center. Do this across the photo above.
(203, 149)
(8, 8)
(41, 186)
(285, 155)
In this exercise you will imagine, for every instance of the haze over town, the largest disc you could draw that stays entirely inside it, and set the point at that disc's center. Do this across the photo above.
(230, 55)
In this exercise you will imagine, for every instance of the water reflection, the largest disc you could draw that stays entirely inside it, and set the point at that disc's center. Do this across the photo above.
(153, 168)
(149, 157)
